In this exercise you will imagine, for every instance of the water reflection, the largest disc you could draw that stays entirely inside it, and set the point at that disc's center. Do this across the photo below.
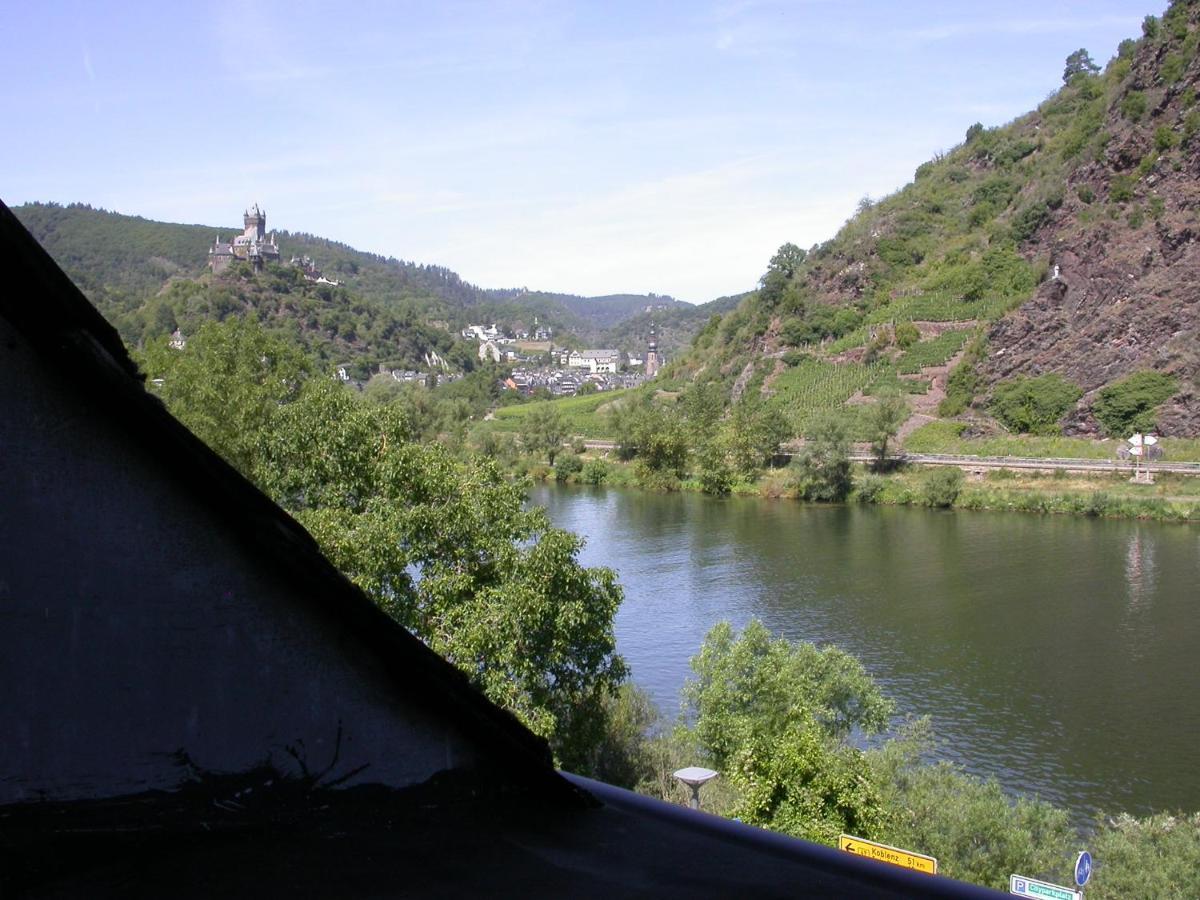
(1055, 654)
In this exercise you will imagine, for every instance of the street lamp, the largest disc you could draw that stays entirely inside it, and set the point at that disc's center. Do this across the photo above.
(693, 777)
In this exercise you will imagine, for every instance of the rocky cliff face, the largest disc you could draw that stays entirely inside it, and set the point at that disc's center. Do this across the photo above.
(1126, 295)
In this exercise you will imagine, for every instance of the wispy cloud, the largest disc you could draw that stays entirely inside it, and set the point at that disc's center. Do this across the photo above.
(951, 30)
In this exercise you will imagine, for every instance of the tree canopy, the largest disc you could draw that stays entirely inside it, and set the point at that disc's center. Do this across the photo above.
(1079, 63)
(445, 545)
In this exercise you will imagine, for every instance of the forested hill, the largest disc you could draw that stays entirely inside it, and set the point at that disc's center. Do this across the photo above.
(124, 262)
(1061, 245)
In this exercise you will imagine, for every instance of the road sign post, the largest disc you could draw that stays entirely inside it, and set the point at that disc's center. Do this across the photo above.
(883, 853)
(1021, 886)
(1083, 868)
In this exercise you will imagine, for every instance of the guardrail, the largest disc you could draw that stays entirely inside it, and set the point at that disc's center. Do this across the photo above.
(1066, 463)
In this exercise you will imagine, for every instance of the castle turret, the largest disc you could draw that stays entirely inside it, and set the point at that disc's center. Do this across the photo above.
(256, 223)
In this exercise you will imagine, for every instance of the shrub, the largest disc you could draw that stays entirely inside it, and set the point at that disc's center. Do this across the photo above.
(1172, 68)
(1029, 220)
(1131, 404)
(1034, 405)
(1085, 193)
(1165, 138)
(907, 335)
(1150, 27)
(1191, 124)
(565, 466)
(942, 487)
(594, 471)
(1121, 188)
(1133, 107)
(870, 489)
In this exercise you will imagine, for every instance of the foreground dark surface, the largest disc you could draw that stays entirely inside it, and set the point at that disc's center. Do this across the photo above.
(253, 836)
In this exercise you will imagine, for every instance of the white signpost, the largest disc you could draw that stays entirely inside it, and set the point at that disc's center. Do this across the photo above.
(1140, 449)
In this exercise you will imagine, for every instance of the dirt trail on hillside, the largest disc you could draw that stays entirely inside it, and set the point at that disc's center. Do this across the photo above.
(924, 406)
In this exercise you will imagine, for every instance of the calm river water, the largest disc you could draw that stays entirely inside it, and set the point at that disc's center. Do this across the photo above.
(1058, 654)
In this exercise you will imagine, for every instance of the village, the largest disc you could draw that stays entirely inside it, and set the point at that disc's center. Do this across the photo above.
(540, 366)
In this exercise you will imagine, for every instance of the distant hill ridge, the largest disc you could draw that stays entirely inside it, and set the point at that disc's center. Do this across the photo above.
(128, 264)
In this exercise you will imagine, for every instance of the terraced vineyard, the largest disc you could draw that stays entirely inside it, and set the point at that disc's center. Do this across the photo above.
(936, 351)
(814, 386)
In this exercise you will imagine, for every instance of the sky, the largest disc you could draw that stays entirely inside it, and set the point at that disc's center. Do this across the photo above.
(587, 148)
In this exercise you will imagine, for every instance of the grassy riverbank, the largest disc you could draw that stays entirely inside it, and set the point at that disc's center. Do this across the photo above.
(1172, 498)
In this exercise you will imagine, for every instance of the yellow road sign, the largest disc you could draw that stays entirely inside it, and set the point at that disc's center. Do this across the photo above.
(882, 852)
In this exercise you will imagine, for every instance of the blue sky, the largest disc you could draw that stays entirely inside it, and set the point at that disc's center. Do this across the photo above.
(581, 147)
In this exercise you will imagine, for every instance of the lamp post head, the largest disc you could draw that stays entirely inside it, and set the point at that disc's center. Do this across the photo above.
(695, 775)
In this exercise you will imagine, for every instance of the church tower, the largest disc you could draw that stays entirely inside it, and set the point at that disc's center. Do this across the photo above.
(652, 360)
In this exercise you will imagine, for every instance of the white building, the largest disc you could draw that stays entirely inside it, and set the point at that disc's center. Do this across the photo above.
(595, 360)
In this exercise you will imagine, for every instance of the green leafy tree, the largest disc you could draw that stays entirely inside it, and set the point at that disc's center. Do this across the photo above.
(1079, 63)
(228, 385)
(822, 468)
(883, 420)
(446, 546)
(716, 475)
(780, 274)
(1034, 405)
(543, 430)
(752, 436)
(976, 832)
(1131, 404)
(655, 433)
(774, 717)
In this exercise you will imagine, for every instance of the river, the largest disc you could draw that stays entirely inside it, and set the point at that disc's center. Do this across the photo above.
(1056, 654)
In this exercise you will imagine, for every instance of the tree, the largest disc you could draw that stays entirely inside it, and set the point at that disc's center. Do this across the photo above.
(653, 432)
(775, 717)
(227, 384)
(977, 833)
(752, 435)
(883, 421)
(543, 430)
(446, 546)
(781, 270)
(822, 470)
(1079, 63)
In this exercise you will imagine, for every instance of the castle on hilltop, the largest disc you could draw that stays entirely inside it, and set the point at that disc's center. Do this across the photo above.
(253, 245)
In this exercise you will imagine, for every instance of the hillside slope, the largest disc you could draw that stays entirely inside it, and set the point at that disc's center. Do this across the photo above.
(123, 262)
(1064, 242)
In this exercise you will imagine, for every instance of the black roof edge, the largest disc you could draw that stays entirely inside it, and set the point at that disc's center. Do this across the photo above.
(60, 323)
(867, 872)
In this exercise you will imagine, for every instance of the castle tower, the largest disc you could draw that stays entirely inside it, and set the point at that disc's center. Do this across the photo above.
(652, 360)
(256, 223)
